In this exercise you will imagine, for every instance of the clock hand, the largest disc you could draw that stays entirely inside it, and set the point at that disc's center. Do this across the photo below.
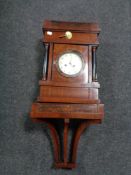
(70, 59)
(72, 62)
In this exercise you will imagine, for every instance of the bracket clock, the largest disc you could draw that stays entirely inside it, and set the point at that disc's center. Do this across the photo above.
(69, 90)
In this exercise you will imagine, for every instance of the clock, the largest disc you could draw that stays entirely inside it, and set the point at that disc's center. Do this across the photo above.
(70, 63)
(69, 88)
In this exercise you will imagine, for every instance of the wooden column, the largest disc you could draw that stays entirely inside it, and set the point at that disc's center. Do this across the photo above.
(94, 64)
(45, 61)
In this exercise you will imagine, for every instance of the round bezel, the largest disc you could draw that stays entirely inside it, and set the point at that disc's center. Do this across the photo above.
(76, 53)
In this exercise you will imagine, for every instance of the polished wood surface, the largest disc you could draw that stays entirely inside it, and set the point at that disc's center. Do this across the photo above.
(78, 94)
(73, 26)
(68, 98)
(69, 111)
(61, 48)
(76, 39)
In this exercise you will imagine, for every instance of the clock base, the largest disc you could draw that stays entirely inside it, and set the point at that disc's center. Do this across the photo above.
(65, 165)
(67, 110)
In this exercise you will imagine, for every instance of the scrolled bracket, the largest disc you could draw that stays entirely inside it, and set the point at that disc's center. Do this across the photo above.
(61, 161)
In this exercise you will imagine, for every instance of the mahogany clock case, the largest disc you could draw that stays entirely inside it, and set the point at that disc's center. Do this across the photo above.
(69, 97)
(57, 88)
(25, 146)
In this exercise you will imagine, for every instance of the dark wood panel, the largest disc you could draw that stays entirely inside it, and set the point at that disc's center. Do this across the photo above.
(50, 61)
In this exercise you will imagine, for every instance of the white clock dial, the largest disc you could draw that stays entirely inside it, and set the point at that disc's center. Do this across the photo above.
(70, 63)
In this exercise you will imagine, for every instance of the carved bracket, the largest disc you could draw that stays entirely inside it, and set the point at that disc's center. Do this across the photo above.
(61, 158)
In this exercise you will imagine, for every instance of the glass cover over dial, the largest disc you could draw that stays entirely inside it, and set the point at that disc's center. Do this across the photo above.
(70, 63)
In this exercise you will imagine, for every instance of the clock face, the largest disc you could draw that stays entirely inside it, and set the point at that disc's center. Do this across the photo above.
(70, 63)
